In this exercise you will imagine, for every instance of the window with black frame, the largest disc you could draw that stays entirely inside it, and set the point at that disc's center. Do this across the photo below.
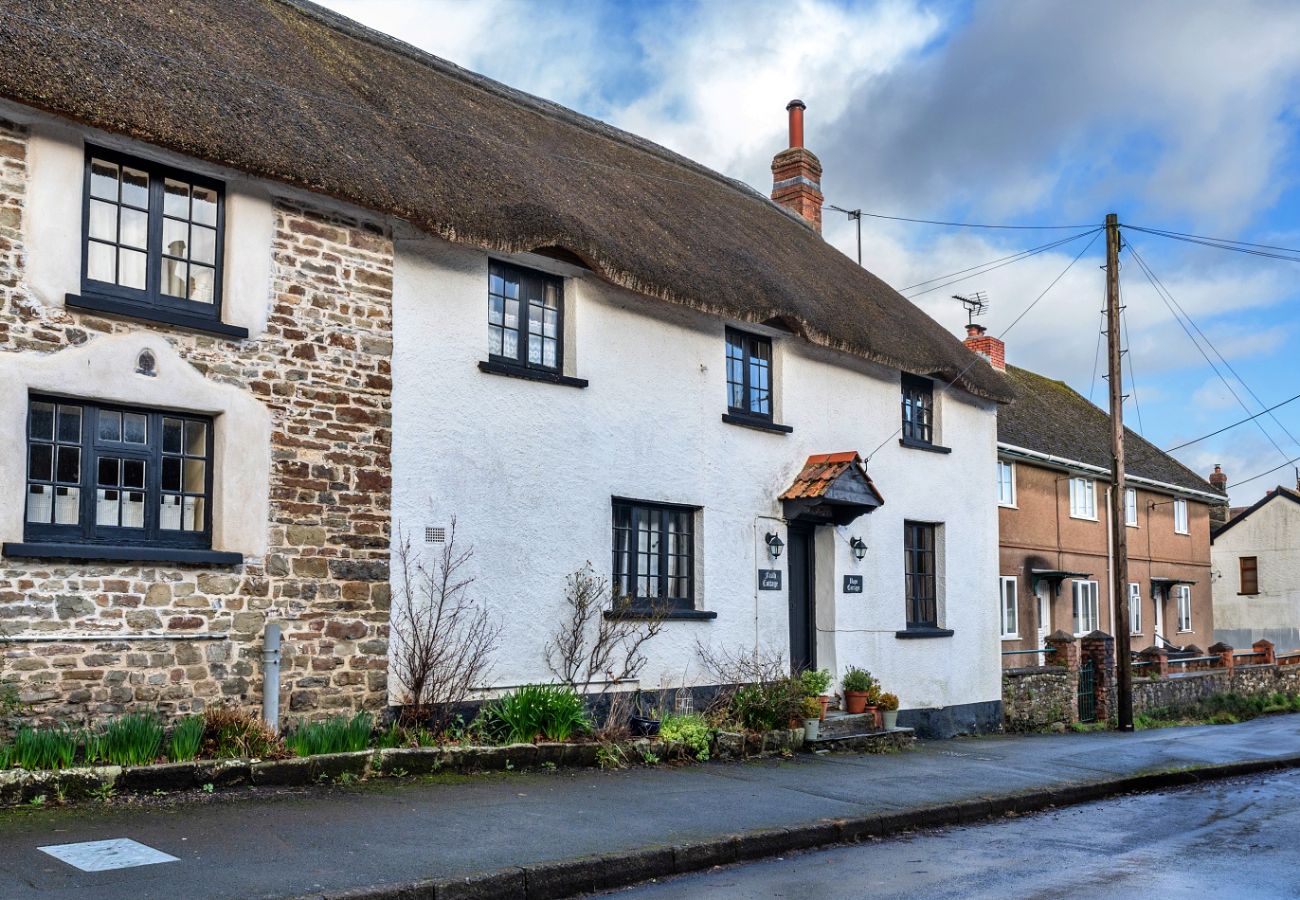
(654, 555)
(919, 552)
(525, 317)
(152, 237)
(749, 375)
(918, 410)
(100, 474)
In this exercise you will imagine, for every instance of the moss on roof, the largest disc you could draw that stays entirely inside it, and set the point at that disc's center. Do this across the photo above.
(1051, 417)
(284, 90)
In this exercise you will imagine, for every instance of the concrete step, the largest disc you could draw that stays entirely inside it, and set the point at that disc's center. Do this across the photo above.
(838, 724)
(875, 742)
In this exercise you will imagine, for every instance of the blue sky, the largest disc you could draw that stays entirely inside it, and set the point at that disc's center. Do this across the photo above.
(1175, 115)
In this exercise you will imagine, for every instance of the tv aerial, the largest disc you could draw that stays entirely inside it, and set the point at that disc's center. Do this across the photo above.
(977, 304)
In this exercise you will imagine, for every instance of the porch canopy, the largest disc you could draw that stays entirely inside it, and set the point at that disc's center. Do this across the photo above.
(831, 489)
(1164, 584)
(1053, 577)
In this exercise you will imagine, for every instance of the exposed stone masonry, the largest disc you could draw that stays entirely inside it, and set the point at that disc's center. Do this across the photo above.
(323, 370)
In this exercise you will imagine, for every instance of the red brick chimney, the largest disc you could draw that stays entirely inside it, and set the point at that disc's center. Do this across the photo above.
(797, 173)
(990, 348)
(1219, 478)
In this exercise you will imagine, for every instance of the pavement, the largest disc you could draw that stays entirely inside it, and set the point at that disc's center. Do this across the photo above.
(553, 834)
(1224, 839)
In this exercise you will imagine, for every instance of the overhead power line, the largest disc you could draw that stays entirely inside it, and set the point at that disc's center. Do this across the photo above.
(977, 224)
(1235, 246)
(985, 268)
(1179, 314)
(1165, 232)
(1289, 462)
(1234, 424)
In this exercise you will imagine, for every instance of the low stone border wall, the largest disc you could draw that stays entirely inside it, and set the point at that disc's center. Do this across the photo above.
(1177, 691)
(18, 786)
(1036, 698)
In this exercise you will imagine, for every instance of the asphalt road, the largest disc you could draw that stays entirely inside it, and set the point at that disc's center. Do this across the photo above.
(1234, 838)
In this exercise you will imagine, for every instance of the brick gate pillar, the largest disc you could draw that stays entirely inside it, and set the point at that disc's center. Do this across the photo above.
(1100, 648)
(1159, 659)
(1063, 651)
(1265, 650)
(1225, 654)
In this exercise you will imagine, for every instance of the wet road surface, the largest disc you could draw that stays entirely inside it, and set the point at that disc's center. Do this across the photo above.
(1226, 839)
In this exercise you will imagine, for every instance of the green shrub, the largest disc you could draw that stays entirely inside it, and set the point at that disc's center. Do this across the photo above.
(550, 711)
(767, 706)
(131, 740)
(337, 735)
(688, 731)
(186, 739)
(44, 748)
(6, 756)
(815, 681)
(392, 736)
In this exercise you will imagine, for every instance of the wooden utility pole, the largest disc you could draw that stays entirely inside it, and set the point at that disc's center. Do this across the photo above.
(1118, 529)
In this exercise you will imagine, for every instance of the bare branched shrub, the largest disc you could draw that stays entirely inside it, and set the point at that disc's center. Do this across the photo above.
(590, 648)
(442, 640)
(732, 669)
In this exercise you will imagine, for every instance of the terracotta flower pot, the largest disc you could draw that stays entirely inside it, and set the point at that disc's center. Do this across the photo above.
(875, 715)
(825, 701)
(855, 702)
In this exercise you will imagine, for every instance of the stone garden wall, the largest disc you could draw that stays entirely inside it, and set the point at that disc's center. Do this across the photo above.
(322, 369)
(1038, 698)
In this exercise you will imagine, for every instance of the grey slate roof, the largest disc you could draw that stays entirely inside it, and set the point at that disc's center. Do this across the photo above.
(1051, 417)
(287, 91)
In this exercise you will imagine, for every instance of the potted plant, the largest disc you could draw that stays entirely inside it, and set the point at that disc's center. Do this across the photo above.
(858, 685)
(889, 707)
(812, 723)
(643, 724)
(816, 682)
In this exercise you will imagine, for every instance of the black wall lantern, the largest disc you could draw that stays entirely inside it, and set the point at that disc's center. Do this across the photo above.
(859, 548)
(774, 544)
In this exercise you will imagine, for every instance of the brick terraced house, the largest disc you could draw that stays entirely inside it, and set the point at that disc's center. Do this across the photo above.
(276, 290)
(1053, 476)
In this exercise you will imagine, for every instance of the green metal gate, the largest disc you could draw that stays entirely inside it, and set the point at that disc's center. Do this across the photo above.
(1087, 692)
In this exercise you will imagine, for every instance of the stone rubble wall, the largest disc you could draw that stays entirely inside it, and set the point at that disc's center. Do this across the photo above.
(322, 367)
(1180, 691)
(1038, 698)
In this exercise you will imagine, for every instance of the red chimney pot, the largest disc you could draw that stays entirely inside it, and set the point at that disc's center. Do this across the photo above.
(796, 108)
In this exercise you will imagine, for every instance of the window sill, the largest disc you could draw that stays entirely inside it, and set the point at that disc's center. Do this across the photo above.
(122, 553)
(1010, 637)
(1084, 518)
(922, 445)
(126, 309)
(1007, 506)
(689, 615)
(756, 423)
(923, 632)
(1247, 593)
(498, 368)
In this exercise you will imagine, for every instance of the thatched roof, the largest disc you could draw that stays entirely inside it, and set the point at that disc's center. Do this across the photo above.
(1051, 417)
(284, 90)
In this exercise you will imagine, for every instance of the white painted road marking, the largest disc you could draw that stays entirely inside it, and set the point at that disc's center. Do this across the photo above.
(102, 856)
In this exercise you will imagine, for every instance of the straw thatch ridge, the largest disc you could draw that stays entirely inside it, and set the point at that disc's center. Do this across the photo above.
(284, 90)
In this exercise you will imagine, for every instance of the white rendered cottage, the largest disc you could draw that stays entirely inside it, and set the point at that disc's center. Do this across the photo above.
(578, 345)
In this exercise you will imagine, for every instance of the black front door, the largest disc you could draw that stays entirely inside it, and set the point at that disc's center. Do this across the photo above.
(803, 617)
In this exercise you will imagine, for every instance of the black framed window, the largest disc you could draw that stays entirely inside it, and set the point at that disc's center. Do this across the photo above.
(918, 409)
(654, 554)
(525, 317)
(153, 236)
(749, 374)
(103, 474)
(920, 567)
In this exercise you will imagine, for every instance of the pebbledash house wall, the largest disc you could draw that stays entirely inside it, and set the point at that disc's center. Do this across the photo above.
(302, 433)
(529, 471)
